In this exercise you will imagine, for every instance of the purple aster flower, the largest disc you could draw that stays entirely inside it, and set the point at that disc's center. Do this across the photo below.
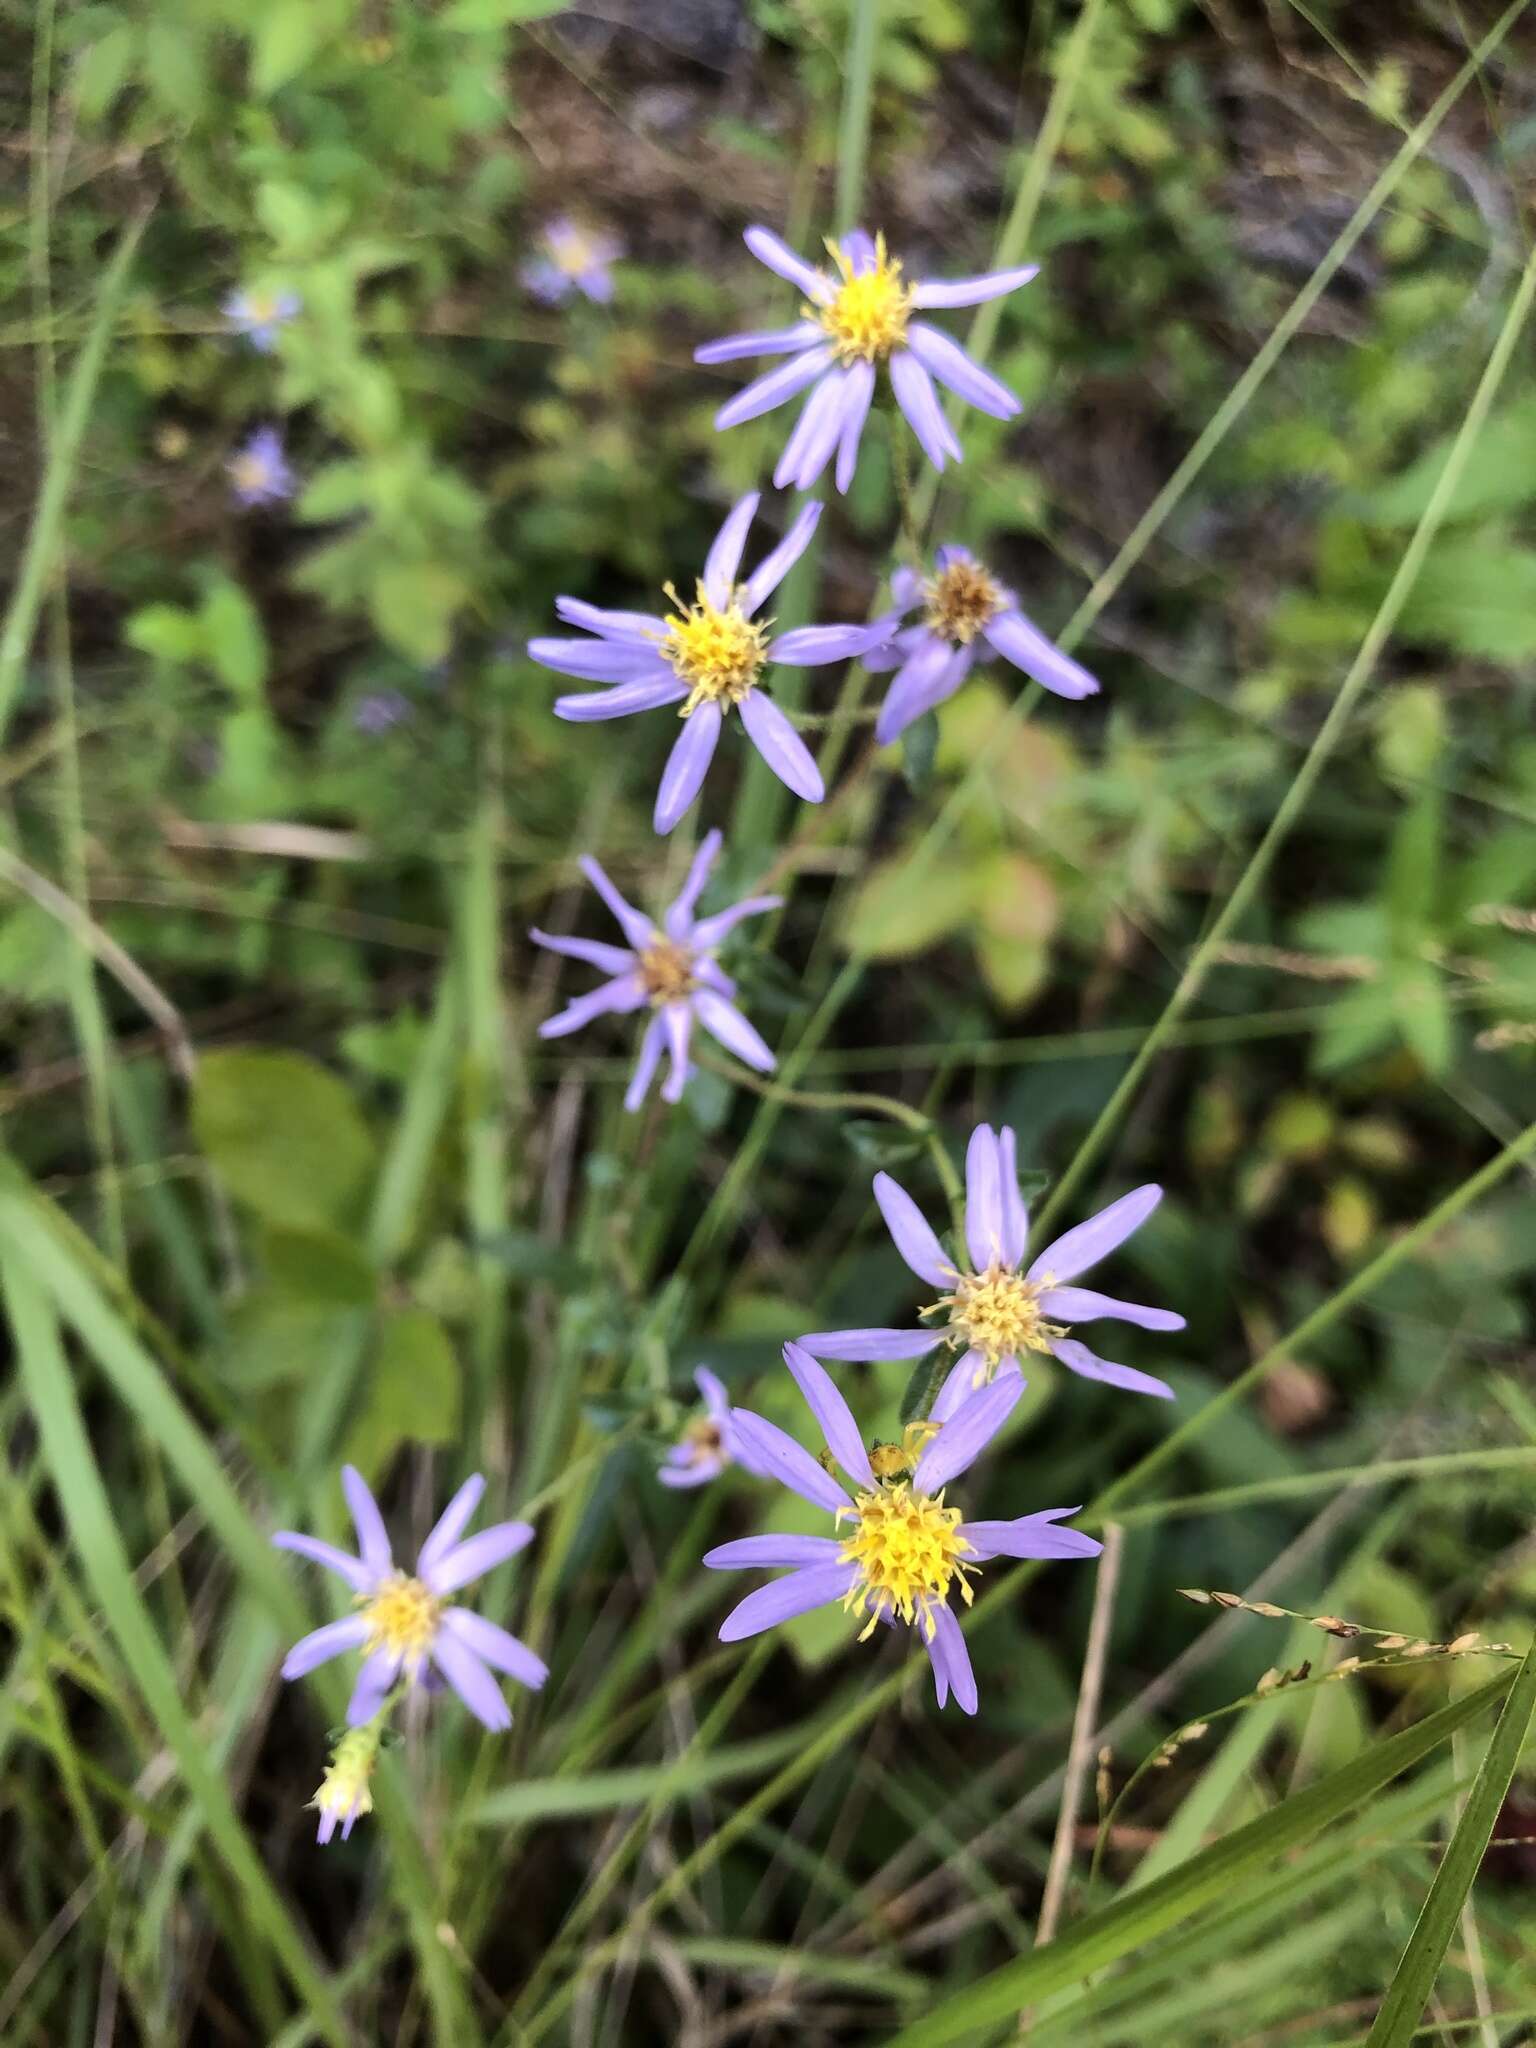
(259, 472)
(707, 656)
(994, 1306)
(968, 616)
(258, 315)
(575, 259)
(404, 1621)
(380, 711)
(671, 970)
(904, 1553)
(707, 1445)
(852, 320)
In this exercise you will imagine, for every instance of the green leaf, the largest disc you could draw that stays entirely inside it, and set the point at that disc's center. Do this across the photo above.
(1476, 593)
(167, 632)
(103, 70)
(412, 1392)
(483, 14)
(334, 492)
(317, 1268)
(413, 606)
(1414, 1978)
(1207, 1880)
(907, 904)
(287, 34)
(1414, 868)
(919, 747)
(1500, 477)
(881, 1142)
(284, 1135)
(233, 636)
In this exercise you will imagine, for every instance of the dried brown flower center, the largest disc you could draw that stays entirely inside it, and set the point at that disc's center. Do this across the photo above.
(961, 599)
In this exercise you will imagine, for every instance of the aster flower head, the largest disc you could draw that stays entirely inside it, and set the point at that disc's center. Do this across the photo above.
(708, 1444)
(898, 1553)
(344, 1795)
(669, 969)
(574, 259)
(967, 616)
(994, 1307)
(259, 314)
(856, 315)
(404, 1622)
(707, 657)
(259, 473)
(380, 711)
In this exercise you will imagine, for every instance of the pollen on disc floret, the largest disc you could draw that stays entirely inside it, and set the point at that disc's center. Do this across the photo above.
(716, 650)
(867, 314)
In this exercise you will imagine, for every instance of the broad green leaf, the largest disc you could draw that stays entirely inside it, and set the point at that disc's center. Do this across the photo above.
(317, 1268)
(414, 605)
(907, 904)
(103, 70)
(1206, 1880)
(1476, 593)
(287, 34)
(233, 636)
(1500, 476)
(284, 1135)
(167, 631)
(1414, 869)
(411, 1393)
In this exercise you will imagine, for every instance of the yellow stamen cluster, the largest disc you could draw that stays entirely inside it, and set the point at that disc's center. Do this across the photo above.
(250, 472)
(961, 599)
(402, 1617)
(703, 1440)
(344, 1788)
(666, 969)
(909, 1552)
(998, 1314)
(572, 252)
(718, 654)
(867, 314)
(890, 1461)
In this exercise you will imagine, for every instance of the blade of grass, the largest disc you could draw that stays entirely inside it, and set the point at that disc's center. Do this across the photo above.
(93, 1527)
(1414, 1978)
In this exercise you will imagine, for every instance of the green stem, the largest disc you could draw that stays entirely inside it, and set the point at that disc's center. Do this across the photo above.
(853, 119)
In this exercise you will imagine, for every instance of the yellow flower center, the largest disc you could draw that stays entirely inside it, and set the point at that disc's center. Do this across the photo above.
(909, 1552)
(250, 472)
(718, 654)
(261, 307)
(572, 252)
(402, 1617)
(961, 599)
(867, 315)
(703, 1440)
(998, 1314)
(666, 969)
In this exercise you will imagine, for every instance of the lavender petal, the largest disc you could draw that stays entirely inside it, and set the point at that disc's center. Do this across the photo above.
(911, 1234)
(322, 1644)
(1029, 1536)
(951, 1660)
(983, 1199)
(376, 1674)
(777, 255)
(775, 341)
(709, 931)
(749, 1551)
(1016, 640)
(780, 1457)
(478, 1555)
(774, 388)
(1082, 1305)
(622, 702)
(724, 557)
(960, 1383)
(967, 1433)
(933, 292)
(611, 959)
(1089, 1366)
(697, 1472)
(497, 1647)
(815, 435)
(948, 361)
(865, 1347)
(687, 765)
(920, 406)
(677, 1029)
(372, 1537)
(450, 1525)
(725, 1023)
(1015, 1215)
(598, 661)
(716, 1400)
(932, 671)
(859, 391)
(625, 993)
(1084, 1245)
(832, 1412)
(679, 918)
(345, 1566)
(651, 1047)
(785, 1598)
(471, 1681)
(781, 746)
(774, 567)
(817, 646)
(635, 925)
(634, 629)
